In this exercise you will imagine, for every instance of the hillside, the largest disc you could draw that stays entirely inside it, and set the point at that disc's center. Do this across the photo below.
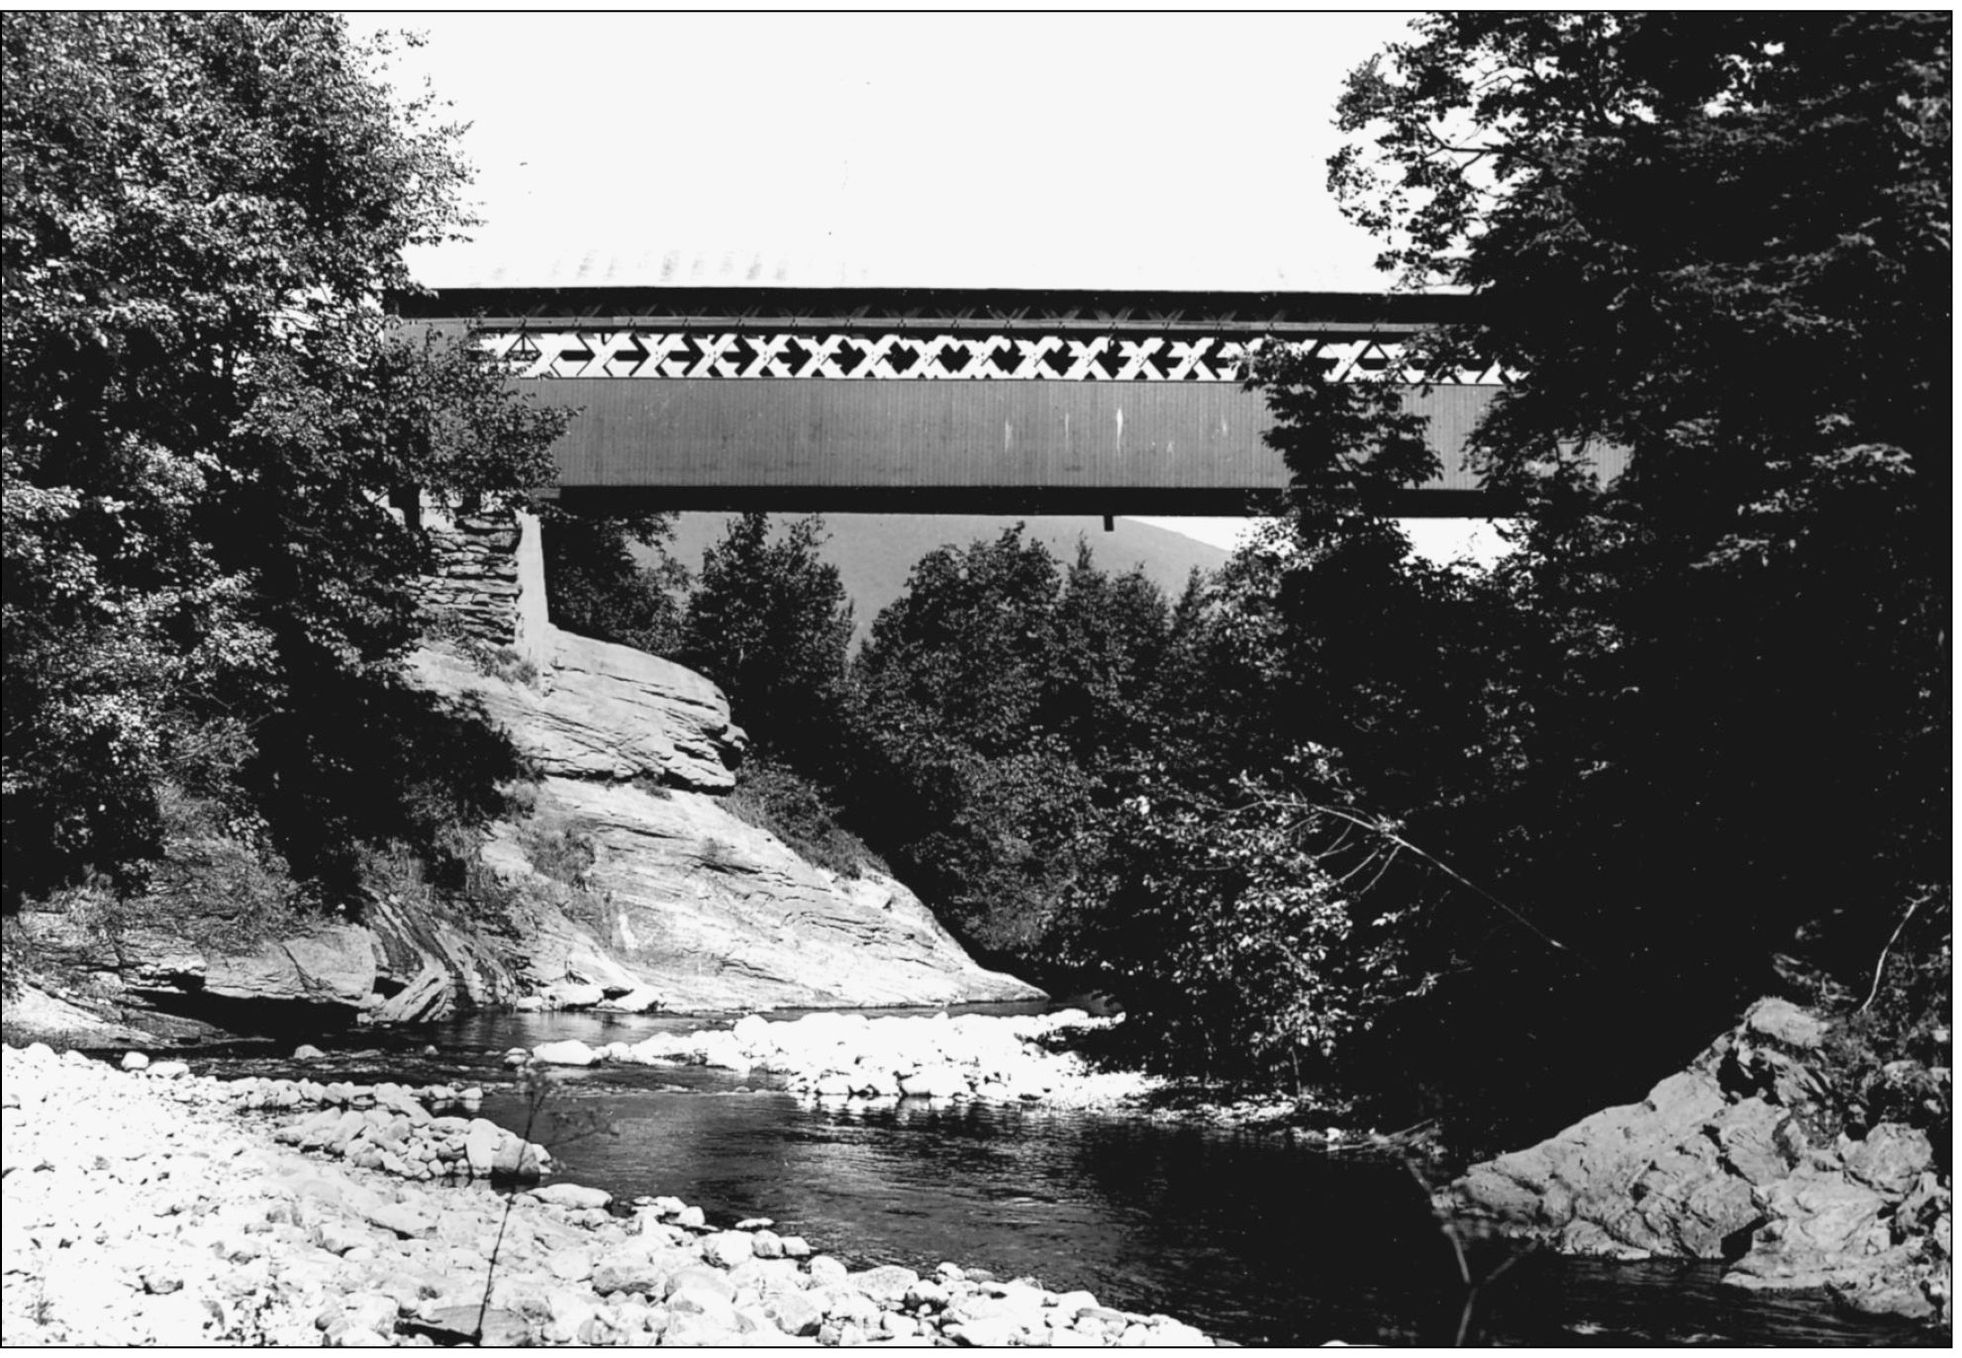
(875, 552)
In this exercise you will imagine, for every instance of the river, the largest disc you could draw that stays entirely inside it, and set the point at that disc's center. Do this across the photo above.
(1243, 1234)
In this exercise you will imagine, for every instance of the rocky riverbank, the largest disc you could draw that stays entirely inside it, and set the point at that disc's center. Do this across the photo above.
(153, 1206)
(1751, 1156)
(853, 1056)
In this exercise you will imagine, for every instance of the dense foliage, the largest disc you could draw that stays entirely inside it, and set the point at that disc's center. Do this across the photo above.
(1335, 816)
(769, 621)
(597, 586)
(994, 698)
(1434, 832)
(206, 417)
(1721, 243)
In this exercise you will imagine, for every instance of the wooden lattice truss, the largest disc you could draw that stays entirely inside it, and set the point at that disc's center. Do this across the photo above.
(897, 355)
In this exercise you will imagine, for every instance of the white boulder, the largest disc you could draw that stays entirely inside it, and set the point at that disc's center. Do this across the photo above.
(571, 1052)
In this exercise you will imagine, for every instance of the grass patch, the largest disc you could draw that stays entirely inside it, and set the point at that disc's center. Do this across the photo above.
(219, 885)
(795, 810)
(557, 850)
(498, 662)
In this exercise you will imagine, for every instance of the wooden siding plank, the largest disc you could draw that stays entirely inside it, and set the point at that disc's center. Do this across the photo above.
(1189, 435)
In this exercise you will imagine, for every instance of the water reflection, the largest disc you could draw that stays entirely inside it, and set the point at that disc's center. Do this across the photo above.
(1244, 1235)
(1240, 1234)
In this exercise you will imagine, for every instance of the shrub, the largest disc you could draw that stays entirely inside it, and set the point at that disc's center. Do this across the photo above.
(502, 662)
(795, 810)
(219, 879)
(557, 850)
(1239, 953)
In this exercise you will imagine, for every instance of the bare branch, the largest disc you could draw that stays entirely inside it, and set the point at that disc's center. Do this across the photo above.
(1881, 965)
(1452, 873)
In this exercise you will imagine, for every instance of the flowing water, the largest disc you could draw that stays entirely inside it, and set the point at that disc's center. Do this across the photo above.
(1249, 1237)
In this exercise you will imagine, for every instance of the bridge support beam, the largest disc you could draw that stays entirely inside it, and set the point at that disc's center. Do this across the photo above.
(534, 613)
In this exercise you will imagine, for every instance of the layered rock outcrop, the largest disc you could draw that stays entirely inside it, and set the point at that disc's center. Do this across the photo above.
(674, 901)
(627, 883)
(602, 713)
(1729, 1160)
(680, 899)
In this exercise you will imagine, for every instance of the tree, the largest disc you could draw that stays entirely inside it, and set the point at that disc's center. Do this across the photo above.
(1721, 244)
(1101, 680)
(205, 414)
(598, 588)
(1238, 932)
(966, 640)
(1003, 705)
(770, 622)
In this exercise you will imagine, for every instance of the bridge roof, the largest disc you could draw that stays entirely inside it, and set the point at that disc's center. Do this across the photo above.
(506, 256)
(1255, 312)
(1023, 400)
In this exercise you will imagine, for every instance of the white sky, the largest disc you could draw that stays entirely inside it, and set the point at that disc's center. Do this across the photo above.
(1135, 151)
(1163, 151)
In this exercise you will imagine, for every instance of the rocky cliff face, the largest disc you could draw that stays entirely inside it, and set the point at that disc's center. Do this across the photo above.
(601, 713)
(682, 903)
(1736, 1159)
(628, 884)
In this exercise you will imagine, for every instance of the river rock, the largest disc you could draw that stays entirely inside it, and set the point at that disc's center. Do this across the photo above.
(573, 995)
(1685, 1205)
(371, 1311)
(635, 1268)
(704, 1328)
(701, 1278)
(1585, 1171)
(988, 1332)
(1891, 1159)
(826, 1271)
(934, 1082)
(887, 1283)
(1717, 1161)
(1820, 1223)
(428, 997)
(1783, 1021)
(481, 1144)
(797, 1314)
(928, 1294)
(640, 1000)
(571, 1052)
(572, 1195)
(847, 1304)
(726, 1249)
(1900, 1293)
(1757, 1141)
(501, 1328)
(338, 1237)
(569, 1312)
(405, 1221)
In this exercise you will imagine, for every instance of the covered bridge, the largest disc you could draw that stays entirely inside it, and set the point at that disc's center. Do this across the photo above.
(925, 400)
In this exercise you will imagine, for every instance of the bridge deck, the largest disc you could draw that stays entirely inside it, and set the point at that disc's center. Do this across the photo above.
(1038, 403)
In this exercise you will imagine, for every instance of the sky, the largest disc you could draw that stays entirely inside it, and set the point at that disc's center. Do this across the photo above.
(1164, 151)
(978, 150)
